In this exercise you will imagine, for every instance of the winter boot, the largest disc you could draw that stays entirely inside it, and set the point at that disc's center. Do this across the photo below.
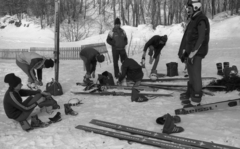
(196, 97)
(87, 81)
(25, 125)
(169, 126)
(161, 120)
(187, 94)
(37, 123)
(136, 97)
(56, 118)
(69, 111)
(225, 65)
(220, 69)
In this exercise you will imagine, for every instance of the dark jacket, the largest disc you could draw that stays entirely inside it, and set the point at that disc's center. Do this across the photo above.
(155, 42)
(191, 36)
(132, 70)
(117, 38)
(91, 61)
(13, 103)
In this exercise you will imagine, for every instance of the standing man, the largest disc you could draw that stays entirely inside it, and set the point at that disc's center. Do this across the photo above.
(155, 44)
(117, 38)
(90, 56)
(195, 46)
(31, 61)
(132, 70)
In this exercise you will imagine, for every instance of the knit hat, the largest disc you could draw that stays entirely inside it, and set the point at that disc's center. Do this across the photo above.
(100, 58)
(117, 21)
(164, 38)
(12, 80)
(48, 63)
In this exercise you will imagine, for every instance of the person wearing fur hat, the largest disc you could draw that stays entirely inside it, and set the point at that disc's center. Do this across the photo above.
(155, 45)
(117, 38)
(31, 61)
(90, 57)
(14, 106)
(193, 48)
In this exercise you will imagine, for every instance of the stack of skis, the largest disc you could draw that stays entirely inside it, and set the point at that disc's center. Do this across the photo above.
(152, 87)
(150, 138)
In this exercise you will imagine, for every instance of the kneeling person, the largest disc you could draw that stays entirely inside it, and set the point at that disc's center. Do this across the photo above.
(132, 70)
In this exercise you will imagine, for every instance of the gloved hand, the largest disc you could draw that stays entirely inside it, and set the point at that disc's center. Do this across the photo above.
(184, 57)
(93, 74)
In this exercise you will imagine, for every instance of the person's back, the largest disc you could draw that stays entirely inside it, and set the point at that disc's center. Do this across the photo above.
(132, 70)
(89, 53)
(26, 57)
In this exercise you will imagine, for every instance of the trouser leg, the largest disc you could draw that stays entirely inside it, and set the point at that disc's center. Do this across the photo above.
(115, 54)
(155, 63)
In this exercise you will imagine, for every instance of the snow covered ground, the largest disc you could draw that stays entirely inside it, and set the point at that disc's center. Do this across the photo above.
(220, 126)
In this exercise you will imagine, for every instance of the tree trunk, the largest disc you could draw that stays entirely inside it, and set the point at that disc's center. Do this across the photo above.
(142, 12)
(114, 9)
(165, 14)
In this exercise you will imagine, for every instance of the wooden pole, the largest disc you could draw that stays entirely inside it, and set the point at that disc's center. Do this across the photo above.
(56, 39)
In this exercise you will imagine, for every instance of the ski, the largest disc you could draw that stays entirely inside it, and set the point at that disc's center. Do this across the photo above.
(161, 136)
(123, 87)
(174, 79)
(113, 93)
(209, 107)
(141, 140)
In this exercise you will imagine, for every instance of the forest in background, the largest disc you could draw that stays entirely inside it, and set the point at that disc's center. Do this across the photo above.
(78, 17)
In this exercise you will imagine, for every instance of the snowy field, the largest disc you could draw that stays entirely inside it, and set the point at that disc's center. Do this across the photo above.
(220, 126)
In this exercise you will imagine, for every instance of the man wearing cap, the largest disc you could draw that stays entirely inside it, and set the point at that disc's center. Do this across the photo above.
(117, 38)
(90, 57)
(195, 46)
(31, 61)
(14, 106)
(155, 44)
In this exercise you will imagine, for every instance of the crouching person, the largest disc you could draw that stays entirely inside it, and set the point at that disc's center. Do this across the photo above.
(132, 70)
(19, 110)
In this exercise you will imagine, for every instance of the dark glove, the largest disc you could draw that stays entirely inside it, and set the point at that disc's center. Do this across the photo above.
(184, 57)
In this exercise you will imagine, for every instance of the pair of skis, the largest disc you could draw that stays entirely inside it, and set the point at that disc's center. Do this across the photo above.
(163, 140)
(209, 107)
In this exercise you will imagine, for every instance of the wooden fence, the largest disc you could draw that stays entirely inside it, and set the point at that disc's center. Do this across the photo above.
(10, 53)
(66, 53)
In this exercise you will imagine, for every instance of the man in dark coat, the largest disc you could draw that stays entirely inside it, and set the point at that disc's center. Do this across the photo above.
(117, 38)
(155, 44)
(132, 70)
(90, 57)
(193, 48)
